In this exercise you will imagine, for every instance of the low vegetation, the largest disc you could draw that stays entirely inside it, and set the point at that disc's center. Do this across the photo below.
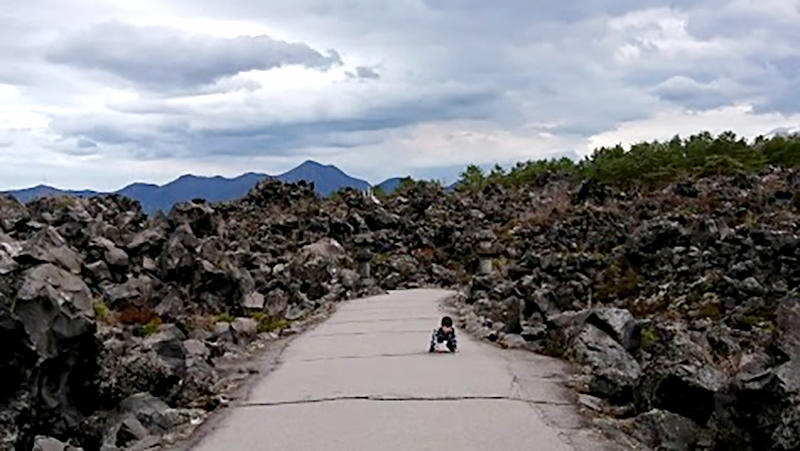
(267, 323)
(651, 165)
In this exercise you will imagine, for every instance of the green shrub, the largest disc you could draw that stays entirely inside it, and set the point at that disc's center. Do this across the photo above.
(529, 172)
(378, 192)
(101, 310)
(472, 179)
(406, 184)
(267, 323)
(649, 337)
(653, 164)
(148, 329)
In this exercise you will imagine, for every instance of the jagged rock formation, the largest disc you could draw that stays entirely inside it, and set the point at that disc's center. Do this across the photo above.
(681, 301)
(102, 307)
(681, 304)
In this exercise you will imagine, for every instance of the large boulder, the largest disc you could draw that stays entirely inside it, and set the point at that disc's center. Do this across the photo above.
(9, 250)
(177, 258)
(787, 318)
(688, 388)
(326, 249)
(97, 272)
(403, 264)
(137, 292)
(48, 246)
(53, 304)
(253, 301)
(614, 372)
(12, 213)
(110, 253)
(42, 443)
(160, 363)
(654, 235)
(767, 392)
(662, 430)
(49, 359)
(244, 329)
(67, 214)
(592, 338)
(277, 302)
(198, 215)
(147, 242)
(140, 421)
(683, 377)
(316, 264)
(619, 324)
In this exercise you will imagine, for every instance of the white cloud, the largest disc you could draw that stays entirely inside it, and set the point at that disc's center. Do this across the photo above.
(162, 57)
(741, 119)
(196, 86)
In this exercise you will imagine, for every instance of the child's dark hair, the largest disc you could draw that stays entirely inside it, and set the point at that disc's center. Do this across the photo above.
(447, 321)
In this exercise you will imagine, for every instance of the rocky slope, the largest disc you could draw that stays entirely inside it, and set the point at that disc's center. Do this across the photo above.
(114, 324)
(681, 304)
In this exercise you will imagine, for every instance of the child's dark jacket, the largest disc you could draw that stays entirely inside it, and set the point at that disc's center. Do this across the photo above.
(439, 337)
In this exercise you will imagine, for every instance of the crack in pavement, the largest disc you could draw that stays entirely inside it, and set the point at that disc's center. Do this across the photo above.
(360, 394)
(336, 334)
(382, 398)
(383, 320)
(351, 357)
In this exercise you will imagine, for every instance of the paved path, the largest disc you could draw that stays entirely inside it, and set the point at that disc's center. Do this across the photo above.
(363, 380)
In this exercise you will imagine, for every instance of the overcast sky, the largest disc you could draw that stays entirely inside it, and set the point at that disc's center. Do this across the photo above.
(98, 94)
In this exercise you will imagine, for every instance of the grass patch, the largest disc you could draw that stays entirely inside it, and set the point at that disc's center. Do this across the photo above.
(269, 324)
(759, 316)
(148, 329)
(649, 337)
(620, 281)
(225, 318)
(101, 310)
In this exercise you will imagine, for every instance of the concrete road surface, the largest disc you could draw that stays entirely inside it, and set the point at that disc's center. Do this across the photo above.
(364, 380)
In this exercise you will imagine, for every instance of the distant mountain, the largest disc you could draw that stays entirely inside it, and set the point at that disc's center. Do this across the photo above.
(187, 187)
(326, 178)
(28, 194)
(389, 185)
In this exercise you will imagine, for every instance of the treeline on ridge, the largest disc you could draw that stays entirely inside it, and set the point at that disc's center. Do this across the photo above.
(651, 165)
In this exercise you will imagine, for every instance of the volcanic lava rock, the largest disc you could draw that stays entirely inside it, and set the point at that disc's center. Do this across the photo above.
(12, 213)
(49, 356)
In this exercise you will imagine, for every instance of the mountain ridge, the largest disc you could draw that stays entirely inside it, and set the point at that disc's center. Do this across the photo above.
(153, 197)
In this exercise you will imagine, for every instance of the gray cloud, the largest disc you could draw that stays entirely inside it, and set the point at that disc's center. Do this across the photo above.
(165, 58)
(364, 73)
(691, 93)
(159, 130)
(554, 64)
(572, 69)
(367, 72)
(86, 144)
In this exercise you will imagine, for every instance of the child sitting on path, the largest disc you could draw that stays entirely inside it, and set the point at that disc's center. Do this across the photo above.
(445, 334)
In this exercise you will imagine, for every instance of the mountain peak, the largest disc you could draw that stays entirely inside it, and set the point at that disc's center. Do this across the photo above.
(326, 178)
(313, 164)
